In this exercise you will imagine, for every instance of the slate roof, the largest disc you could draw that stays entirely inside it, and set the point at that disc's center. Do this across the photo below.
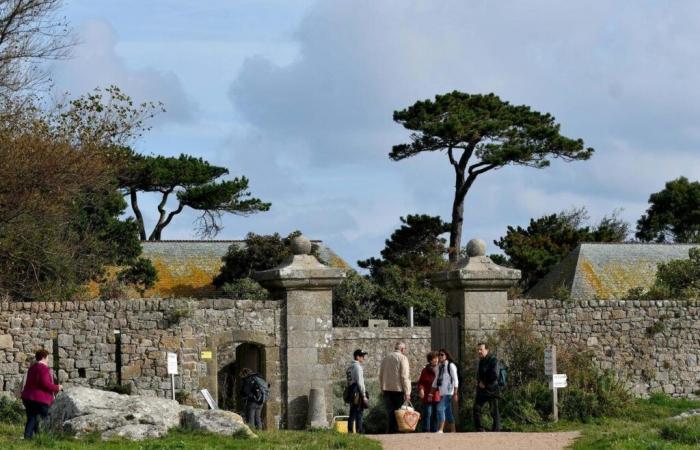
(187, 268)
(607, 271)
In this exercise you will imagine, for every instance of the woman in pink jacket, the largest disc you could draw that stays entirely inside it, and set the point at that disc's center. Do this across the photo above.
(38, 392)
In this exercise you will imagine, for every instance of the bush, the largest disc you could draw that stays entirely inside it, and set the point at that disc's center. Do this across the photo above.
(11, 410)
(245, 289)
(113, 290)
(141, 274)
(374, 417)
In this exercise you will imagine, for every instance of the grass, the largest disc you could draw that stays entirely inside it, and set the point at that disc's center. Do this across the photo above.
(10, 439)
(645, 425)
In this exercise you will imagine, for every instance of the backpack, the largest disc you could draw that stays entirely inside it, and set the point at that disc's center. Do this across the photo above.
(259, 389)
(502, 371)
(347, 394)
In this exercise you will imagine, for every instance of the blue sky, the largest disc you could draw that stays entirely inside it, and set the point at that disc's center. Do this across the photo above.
(298, 96)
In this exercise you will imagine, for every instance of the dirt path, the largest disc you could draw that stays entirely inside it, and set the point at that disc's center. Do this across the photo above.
(476, 441)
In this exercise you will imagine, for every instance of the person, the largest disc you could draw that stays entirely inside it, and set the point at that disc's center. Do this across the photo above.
(395, 383)
(447, 384)
(255, 392)
(487, 388)
(426, 392)
(358, 393)
(38, 392)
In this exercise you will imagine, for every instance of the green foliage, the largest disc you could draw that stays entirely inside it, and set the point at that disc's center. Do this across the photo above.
(260, 252)
(113, 290)
(481, 133)
(245, 289)
(401, 277)
(674, 214)
(175, 315)
(195, 184)
(11, 410)
(535, 250)
(675, 279)
(141, 274)
(354, 301)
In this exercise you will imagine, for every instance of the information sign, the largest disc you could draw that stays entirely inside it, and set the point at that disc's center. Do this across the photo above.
(209, 399)
(559, 380)
(172, 363)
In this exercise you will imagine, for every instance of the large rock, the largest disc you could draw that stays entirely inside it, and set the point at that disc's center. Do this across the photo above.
(216, 421)
(81, 410)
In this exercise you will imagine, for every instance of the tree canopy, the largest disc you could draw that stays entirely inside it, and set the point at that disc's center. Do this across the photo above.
(535, 250)
(195, 184)
(480, 133)
(674, 214)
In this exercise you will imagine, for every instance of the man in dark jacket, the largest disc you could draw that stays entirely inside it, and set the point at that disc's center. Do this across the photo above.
(487, 388)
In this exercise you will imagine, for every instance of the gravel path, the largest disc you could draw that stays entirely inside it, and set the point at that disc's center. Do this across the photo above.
(476, 441)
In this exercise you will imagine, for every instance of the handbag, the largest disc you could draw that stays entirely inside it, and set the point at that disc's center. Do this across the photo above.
(407, 418)
(436, 396)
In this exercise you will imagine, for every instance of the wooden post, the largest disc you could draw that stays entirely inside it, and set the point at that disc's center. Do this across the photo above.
(555, 403)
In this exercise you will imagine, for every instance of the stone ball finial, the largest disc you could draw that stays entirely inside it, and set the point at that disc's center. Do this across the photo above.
(301, 245)
(476, 247)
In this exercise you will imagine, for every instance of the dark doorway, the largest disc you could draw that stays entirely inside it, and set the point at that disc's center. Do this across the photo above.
(247, 355)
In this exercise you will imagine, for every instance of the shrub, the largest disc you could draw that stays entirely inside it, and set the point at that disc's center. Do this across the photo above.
(245, 289)
(141, 274)
(11, 410)
(113, 290)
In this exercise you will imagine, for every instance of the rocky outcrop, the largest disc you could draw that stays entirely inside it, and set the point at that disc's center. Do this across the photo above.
(80, 410)
(216, 421)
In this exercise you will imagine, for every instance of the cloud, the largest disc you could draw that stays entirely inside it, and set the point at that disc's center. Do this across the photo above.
(96, 63)
(620, 75)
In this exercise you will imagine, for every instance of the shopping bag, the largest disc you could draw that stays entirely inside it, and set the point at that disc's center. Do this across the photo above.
(407, 418)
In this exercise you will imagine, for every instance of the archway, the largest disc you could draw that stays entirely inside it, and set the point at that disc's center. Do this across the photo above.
(247, 355)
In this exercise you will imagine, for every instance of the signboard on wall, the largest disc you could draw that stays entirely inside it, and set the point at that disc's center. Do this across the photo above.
(172, 363)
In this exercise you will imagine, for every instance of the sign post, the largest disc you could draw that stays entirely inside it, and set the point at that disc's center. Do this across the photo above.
(550, 368)
(172, 370)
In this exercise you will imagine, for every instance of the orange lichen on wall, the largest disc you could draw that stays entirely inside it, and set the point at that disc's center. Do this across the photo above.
(593, 280)
(187, 280)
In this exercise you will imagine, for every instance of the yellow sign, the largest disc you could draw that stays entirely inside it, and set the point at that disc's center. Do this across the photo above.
(205, 355)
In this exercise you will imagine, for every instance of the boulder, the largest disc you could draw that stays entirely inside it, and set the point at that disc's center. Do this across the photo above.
(216, 421)
(81, 410)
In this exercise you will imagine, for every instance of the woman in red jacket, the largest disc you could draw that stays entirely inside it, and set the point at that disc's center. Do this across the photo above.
(427, 393)
(38, 392)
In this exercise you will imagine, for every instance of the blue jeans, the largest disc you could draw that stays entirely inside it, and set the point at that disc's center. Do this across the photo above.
(429, 422)
(444, 410)
(355, 419)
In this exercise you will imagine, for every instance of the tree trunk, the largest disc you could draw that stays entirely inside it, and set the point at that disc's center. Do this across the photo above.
(456, 229)
(137, 213)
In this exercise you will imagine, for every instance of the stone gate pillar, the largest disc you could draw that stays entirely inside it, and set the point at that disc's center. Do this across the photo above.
(304, 285)
(477, 294)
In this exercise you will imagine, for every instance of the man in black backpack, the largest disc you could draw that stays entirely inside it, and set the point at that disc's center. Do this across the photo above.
(487, 389)
(255, 392)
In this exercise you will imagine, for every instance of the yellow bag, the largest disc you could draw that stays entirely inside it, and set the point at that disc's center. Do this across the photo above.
(407, 418)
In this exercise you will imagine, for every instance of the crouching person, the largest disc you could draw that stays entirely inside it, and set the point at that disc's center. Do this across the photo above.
(255, 393)
(358, 393)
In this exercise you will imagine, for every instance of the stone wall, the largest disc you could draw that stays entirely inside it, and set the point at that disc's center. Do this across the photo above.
(378, 342)
(653, 344)
(85, 335)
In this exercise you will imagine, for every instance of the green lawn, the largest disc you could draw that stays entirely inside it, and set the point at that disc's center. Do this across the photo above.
(10, 438)
(645, 425)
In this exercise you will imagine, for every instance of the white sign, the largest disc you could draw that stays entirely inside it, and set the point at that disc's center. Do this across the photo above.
(559, 380)
(209, 399)
(172, 363)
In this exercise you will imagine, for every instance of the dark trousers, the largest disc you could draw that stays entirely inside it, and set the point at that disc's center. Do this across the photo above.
(35, 410)
(252, 414)
(356, 419)
(393, 401)
(481, 398)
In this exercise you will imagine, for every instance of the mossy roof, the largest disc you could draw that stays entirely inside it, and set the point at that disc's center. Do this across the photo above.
(606, 270)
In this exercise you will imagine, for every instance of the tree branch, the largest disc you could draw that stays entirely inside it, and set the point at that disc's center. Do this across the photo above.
(137, 213)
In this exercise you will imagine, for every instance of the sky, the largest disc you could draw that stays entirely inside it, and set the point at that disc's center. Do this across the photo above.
(298, 97)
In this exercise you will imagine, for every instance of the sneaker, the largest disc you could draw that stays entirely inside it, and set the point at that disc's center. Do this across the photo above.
(439, 431)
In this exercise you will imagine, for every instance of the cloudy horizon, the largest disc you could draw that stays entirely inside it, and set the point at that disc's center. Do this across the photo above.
(299, 96)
